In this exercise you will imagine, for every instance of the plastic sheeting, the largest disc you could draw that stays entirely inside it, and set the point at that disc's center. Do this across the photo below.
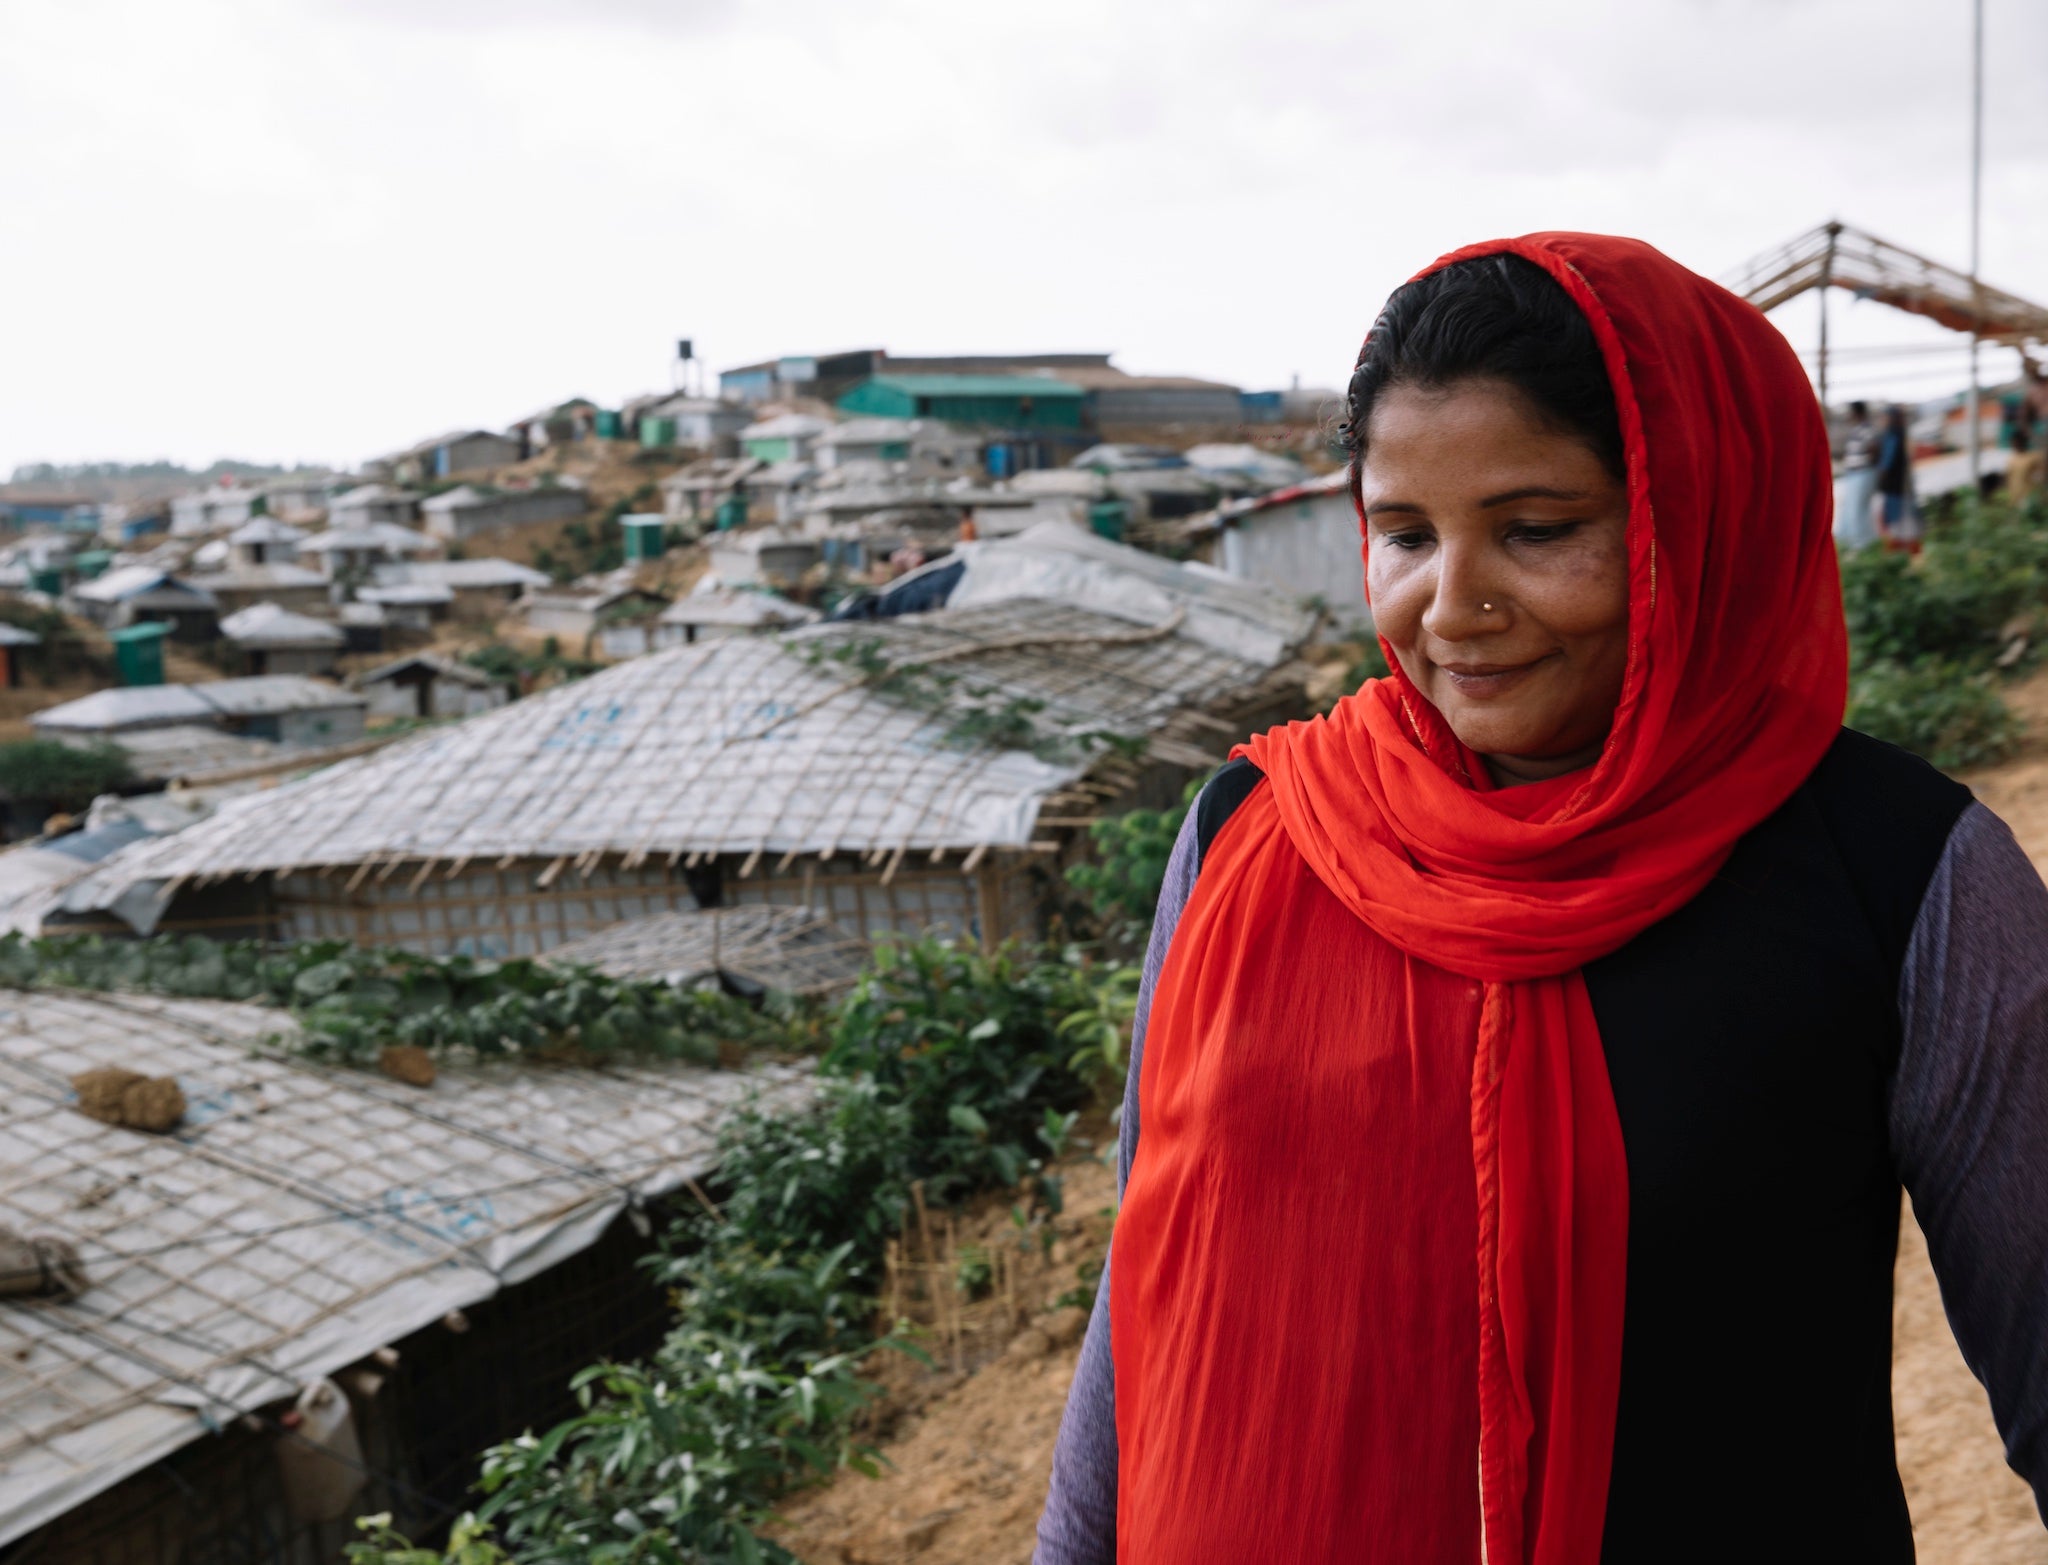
(300, 1218)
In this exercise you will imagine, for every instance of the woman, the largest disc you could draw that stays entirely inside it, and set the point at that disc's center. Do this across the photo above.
(1534, 1046)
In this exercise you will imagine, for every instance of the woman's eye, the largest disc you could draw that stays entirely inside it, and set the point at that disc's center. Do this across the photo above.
(1408, 540)
(1542, 532)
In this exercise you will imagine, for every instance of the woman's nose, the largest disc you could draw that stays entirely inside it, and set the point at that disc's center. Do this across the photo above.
(1466, 601)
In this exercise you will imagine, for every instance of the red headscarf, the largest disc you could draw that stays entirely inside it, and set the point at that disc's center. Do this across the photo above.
(1491, 900)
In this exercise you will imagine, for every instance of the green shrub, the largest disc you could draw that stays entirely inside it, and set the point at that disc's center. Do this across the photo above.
(67, 776)
(350, 1002)
(1123, 880)
(1936, 708)
(948, 1072)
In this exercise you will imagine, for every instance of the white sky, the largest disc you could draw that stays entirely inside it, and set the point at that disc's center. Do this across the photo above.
(319, 229)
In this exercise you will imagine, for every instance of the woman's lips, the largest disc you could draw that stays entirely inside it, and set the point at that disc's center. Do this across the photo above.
(1480, 681)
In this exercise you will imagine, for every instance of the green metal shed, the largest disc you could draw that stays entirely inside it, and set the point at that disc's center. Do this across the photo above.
(1002, 401)
(139, 653)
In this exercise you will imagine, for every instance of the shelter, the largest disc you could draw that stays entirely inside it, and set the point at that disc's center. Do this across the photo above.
(132, 594)
(307, 1222)
(408, 606)
(1117, 401)
(749, 950)
(1302, 541)
(561, 424)
(482, 588)
(369, 504)
(763, 556)
(1021, 402)
(34, 875)
(13, 642)
(615, 618)
(264, 540)
(925, 445)
(694, 492)
(426, 685)
(467, 512)
(242, 586)
(711, 610)
(925, 771)
(704, 423)
(356, 550)
(786, 438)
(273, 640)
(213, 509)
(289, 709)
(459, 451)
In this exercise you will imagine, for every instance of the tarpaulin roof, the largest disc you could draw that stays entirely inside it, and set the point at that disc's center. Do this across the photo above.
(300, 1217)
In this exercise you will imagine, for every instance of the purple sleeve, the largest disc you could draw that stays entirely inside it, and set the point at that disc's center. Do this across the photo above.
(1078, 1526)
(1967, 1114)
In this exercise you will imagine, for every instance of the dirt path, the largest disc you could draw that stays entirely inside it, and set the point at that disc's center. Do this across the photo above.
(970, 1470)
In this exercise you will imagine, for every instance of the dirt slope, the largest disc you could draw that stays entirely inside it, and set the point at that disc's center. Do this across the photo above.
(970, 1470)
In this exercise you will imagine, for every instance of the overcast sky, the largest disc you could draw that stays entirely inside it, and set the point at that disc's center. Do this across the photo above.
(320, 229)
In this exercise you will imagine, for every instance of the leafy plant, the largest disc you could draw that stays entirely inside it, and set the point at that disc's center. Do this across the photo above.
(1123, 880)
(469, 1543)
(979, 716)
(1935, 708)
(350, 1003)
(67, 776)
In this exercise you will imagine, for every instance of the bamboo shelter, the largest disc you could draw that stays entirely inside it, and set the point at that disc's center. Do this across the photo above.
(921, 773)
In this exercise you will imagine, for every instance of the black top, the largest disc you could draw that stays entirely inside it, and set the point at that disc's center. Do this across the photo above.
(1750, 1038)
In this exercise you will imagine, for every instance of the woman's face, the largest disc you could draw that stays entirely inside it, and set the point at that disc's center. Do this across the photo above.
(1498, 562)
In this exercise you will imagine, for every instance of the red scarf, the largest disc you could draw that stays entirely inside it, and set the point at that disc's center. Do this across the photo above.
(1371, 1058)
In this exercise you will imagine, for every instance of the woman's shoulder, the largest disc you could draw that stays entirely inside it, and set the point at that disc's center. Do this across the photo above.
(1888, 818)
(1875, 795)
(1219, 800)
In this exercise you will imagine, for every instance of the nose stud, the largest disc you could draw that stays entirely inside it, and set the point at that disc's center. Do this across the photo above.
(1486, 608)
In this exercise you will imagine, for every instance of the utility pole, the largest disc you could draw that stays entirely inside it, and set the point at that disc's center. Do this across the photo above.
(1976, 227)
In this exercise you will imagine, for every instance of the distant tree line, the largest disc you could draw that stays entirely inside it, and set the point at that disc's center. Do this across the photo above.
(60, 473)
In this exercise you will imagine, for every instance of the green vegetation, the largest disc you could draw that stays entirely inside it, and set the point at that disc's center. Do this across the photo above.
(64, 654)
(947, 1073)
(350, 1003)
(1123, 880)
(523, 670)
(61, 776)
(1929, 636)
(586, 549)
(977, 715)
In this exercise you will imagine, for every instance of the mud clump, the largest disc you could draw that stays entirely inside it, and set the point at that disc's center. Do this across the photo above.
(39, 1266)
(114, 1096)
(407, 1062)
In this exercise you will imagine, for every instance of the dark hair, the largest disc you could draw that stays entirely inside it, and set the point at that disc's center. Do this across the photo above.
(1859, 410)
(1493, 317)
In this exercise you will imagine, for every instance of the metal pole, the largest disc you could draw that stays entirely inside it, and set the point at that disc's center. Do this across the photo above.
(1976, 225)
(1827, 277)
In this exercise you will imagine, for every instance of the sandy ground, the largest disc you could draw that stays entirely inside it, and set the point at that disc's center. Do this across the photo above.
(969, 1469)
